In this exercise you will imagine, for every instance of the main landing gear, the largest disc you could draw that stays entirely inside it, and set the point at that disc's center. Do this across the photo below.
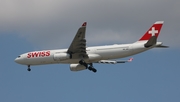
(29, 69)
(88, 66)
(91, 68)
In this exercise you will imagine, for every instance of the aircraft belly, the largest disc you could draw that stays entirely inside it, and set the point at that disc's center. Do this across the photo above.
(138, 48)
(114, 53)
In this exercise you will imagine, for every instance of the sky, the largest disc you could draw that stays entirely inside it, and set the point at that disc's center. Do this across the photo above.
(51, 24)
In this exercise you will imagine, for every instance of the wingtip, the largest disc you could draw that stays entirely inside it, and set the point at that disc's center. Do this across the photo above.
(84, 24)
(159, 22)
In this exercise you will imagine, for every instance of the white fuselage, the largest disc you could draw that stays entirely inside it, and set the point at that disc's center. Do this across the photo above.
(95, 54)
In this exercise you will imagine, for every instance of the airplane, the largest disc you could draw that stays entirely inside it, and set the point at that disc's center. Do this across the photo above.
(81, 57)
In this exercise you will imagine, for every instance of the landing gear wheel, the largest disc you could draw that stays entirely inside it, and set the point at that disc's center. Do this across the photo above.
(29, 69)
(92, 69)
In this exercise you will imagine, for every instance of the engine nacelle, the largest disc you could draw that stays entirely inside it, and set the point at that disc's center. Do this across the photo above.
(61, 56)
(77, 67)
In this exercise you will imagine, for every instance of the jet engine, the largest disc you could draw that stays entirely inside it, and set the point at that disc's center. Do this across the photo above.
(77, 67)
(61, 56)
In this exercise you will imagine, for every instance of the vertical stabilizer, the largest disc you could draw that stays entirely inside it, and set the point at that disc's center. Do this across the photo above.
(153, 31)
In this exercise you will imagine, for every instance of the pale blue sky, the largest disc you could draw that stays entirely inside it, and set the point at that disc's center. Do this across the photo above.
(153, 76)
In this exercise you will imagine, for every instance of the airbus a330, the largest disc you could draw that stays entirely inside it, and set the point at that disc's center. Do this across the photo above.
(81, 57)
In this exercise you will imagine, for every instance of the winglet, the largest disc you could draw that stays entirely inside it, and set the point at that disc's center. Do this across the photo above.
(84, 24)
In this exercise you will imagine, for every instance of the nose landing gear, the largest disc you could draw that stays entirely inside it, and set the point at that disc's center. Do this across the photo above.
(29, 69)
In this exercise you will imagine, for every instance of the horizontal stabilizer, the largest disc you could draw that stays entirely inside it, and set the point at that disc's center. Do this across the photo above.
(114, 61)
(162, 46)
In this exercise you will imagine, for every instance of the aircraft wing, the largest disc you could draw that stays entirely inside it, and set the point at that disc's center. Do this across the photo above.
(77, 48)
(114, 61)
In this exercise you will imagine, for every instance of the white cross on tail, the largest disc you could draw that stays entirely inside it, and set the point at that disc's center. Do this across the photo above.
(153, 31)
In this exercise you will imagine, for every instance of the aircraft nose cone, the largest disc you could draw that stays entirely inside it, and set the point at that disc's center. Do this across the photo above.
(17, 60)
(20, 59)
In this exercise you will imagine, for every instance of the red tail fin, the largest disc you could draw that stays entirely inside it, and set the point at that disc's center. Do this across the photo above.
(153, 31)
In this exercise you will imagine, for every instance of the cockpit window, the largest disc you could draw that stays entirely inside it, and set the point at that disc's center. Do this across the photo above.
(19, 56)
